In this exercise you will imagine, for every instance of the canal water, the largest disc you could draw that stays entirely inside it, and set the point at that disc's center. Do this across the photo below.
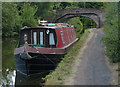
(9, 74)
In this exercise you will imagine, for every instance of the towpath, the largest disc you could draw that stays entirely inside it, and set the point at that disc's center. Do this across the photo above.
(92, 66)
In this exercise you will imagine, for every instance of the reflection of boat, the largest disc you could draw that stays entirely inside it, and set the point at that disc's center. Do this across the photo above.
(41, 47)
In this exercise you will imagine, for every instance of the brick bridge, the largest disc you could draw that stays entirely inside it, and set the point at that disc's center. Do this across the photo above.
(63, 15)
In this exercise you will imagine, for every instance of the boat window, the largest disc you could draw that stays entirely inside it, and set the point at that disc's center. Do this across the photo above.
(41, 38)
(62, 35)
(35, 37)
(51, 39)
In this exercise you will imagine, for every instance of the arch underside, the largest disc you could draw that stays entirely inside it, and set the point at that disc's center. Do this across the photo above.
(92, 16)
(95, 18)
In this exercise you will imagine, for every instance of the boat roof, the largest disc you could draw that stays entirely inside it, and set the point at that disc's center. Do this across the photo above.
(48, 25)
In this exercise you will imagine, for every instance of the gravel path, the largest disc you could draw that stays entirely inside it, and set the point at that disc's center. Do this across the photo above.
(93, 68)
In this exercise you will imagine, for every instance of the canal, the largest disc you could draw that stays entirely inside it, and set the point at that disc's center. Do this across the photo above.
(9, 74)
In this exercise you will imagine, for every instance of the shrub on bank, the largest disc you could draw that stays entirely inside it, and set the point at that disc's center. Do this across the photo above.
(78, 25)
(111, 30)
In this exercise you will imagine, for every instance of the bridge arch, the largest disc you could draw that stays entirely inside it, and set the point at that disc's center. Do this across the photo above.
(92, 16)
(95, 14)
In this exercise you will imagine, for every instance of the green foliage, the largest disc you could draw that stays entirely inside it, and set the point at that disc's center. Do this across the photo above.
(44, 9)
(27, 14)
(72, 5)
(62, 5)
(111, 32)
(8, 45)
(77, 24)
(87, 22)
(15, 16)
(90, 5)
(10, 18)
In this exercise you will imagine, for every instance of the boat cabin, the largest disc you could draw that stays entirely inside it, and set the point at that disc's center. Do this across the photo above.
(50, 36)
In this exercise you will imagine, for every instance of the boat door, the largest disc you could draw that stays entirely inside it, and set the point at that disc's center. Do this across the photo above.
(38, 36)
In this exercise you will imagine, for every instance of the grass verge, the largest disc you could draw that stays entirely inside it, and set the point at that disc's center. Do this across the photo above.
(63, 70)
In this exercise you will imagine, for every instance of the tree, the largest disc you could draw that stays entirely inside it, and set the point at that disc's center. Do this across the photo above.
(111, 29)
(77, 24)
(44, 9)
(28, 15)
(98, 5)
(17, 15)
(10, 18)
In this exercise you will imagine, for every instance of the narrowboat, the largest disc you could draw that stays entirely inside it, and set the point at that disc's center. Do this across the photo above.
(42, 46)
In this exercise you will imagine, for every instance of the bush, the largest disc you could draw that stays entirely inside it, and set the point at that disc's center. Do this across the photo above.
(17, 15)
(78, 25)
(27, 15)
(111, 38)
(10, 18)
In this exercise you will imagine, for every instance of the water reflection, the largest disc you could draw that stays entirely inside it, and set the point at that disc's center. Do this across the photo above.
(8, 62)
(9, 79)
(16, 79)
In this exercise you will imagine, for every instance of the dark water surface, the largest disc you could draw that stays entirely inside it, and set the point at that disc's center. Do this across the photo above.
(9, 74)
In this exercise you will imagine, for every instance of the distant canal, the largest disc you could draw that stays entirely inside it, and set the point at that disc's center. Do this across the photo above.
(9, 74)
